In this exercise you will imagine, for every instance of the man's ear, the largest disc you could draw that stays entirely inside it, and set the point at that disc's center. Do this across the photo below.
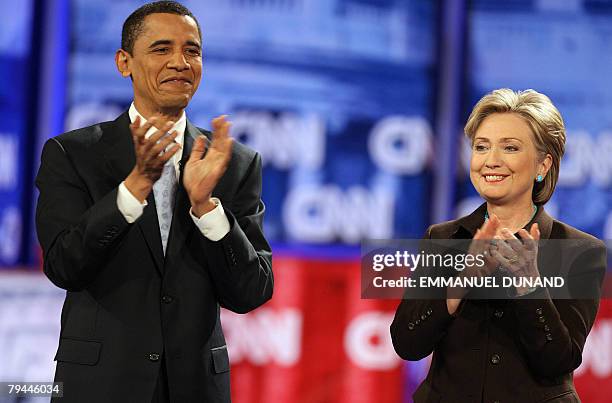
(122, 60)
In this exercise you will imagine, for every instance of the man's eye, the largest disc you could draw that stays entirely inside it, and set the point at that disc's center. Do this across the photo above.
(193, 52)
(160, 50)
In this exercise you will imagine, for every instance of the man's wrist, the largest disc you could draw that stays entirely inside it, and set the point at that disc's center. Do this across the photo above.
(199, 209)
(138, 185)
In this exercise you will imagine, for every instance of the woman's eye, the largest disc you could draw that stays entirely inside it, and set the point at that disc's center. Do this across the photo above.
(480, 147)
(511, 148)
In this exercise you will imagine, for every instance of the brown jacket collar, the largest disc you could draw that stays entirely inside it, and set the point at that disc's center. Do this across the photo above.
(470, 223)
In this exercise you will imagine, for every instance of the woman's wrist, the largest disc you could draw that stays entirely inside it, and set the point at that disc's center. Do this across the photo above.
(521, 292)
(452, 304)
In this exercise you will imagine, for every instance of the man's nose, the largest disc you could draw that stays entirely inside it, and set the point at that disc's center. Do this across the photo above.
(178, 62)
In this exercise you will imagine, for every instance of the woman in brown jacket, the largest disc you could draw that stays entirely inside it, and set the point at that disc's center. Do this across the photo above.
(523, 348)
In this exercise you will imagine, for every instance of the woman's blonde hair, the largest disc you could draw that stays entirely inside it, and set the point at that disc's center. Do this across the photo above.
(542, 117)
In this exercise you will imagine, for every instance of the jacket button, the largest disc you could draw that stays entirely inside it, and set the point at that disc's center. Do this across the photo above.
(548, 337)
(153, 357)
(546, 328)
(541, 319)
(495, 359)
(429, 311)
(498, 313)
(166, 299)
(410, 326)
(423, 317)
(539, 311)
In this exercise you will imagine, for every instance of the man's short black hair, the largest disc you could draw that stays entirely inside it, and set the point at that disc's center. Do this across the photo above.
(134, 24)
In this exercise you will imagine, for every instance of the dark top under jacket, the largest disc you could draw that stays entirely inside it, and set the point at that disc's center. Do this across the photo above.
(128, 308)
(507, 350)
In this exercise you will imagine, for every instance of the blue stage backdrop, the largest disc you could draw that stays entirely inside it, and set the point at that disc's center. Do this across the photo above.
(15, 78)
(339, 98)
(563, 49)
(336, 95)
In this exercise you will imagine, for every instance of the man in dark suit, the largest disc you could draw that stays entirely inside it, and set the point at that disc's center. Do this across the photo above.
(151, 225)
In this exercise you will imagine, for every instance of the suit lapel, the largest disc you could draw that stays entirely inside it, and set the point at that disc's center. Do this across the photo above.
(470, 223)
(191, 133)
(149, 226)
(118, 147)
(120, 159)
(545, 222)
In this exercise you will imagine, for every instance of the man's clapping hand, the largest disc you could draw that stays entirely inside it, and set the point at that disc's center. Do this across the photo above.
(151, 154)
(201, 175)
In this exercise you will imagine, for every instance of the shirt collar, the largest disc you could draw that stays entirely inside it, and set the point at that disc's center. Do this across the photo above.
(179, 126)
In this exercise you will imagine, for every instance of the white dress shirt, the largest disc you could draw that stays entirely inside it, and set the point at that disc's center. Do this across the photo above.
(214, 225)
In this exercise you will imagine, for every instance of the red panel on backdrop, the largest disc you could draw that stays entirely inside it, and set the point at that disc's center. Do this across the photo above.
(594, 377)
(316, 341)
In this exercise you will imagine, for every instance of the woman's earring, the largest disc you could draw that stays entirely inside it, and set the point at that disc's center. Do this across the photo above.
(539, 178)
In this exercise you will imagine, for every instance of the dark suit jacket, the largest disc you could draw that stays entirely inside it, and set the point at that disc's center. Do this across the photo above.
(507, 350)
(126, 304)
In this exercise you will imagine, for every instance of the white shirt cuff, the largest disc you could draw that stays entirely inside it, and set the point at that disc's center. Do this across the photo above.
(129, 206)
(214, 225)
